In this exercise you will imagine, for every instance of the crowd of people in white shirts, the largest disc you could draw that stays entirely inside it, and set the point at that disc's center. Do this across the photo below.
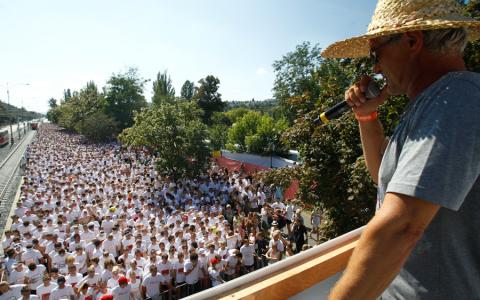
(100, 222)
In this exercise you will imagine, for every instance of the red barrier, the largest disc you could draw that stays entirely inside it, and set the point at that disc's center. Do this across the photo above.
(290, 192)
(235, 165)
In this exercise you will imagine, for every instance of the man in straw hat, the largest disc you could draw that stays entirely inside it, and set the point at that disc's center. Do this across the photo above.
(422, 242)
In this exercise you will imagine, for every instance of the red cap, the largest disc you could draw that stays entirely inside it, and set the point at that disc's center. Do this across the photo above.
(122, 280)
(214, 261)
(106, 297)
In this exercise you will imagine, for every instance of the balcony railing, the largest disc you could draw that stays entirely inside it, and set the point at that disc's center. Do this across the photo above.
(291, 276)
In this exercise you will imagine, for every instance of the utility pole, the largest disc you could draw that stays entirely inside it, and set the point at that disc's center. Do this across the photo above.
(9, 117)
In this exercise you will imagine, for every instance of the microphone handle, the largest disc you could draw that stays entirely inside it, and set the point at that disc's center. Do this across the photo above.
(339, 109)
(334, 112)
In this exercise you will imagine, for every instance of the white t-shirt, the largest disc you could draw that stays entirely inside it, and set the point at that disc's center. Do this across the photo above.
(17, 277)
(164, 269)
(247, 255)
(152, 284)
(214, 276)
(44, 291)
(13, 293)
(120, 293)
(110, 247)
(64, 293)
(74, 280)
(193, 277)
(280, 246)
(231, 264)
(180, 272)
(232, 241)
(36, 277)
(31, 255)
(81, 260)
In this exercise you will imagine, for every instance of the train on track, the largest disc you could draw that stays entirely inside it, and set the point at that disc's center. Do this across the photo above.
(4, 137)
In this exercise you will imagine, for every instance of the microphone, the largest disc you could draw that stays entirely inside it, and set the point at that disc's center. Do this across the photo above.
(373, 90)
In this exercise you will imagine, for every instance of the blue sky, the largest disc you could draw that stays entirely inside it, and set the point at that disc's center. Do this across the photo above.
(54, 45)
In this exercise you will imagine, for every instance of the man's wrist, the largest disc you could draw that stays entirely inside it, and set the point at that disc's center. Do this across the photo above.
(367, 118)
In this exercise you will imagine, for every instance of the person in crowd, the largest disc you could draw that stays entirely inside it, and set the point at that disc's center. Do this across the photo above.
(299, 234)
(63, 290)
(45, 289)
(192, 270)
(315, 221)
(213, 272)
(11, 291)
(123, 291)
(27, 295)
(151, 284)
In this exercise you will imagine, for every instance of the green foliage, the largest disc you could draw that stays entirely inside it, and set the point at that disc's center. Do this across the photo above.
(333, 174)
(268, 106)
(67, 94)
(10, 114)
(218, 136)
(257, 133)
(124, 97)
(220, 118)
(472, 51)
(188, 89)
(52, 102)
(297, 78)
(208, 98)
(163, 90)
(97, 127)
(246, 126)
(236, 114)
(176, 134)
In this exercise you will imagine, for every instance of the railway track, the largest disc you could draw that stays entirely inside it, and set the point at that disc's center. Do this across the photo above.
(10, 178)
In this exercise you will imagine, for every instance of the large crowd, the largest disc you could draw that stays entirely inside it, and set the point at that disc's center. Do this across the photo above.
(101, 222)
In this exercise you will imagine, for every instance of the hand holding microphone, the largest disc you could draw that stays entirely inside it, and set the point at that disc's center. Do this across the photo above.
(363, 97)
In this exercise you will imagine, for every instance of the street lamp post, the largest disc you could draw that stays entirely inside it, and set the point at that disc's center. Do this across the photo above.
(12, 141)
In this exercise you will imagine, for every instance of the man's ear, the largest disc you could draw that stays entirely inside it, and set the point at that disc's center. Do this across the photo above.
(415, 41)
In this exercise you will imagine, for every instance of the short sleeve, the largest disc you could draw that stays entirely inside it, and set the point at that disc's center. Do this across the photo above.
(440, 158)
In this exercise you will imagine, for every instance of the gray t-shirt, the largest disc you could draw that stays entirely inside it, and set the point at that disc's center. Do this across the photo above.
(434, 155)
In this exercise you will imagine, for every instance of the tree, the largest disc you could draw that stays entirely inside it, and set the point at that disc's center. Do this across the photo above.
(218, 138)
(177, 136)
(124, 97)
(332, 175)
(257, 133)
(188, 89)
(163, 90)
(67, 94)
(208, 97)
(52, 103)
(98, 127)
(296, 82)
(237, 113)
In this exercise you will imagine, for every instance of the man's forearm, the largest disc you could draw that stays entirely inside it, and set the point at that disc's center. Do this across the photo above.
(376, 261)
(384, 247)
(373, 140)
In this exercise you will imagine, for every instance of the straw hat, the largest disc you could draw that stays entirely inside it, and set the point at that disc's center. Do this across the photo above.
(398, 16)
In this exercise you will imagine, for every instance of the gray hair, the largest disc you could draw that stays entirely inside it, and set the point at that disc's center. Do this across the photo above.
(450, 41)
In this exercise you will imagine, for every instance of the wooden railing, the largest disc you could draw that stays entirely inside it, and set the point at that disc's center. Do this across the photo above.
(290, 276)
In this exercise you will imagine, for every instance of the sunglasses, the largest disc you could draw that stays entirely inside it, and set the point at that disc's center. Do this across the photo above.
(373, 52)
